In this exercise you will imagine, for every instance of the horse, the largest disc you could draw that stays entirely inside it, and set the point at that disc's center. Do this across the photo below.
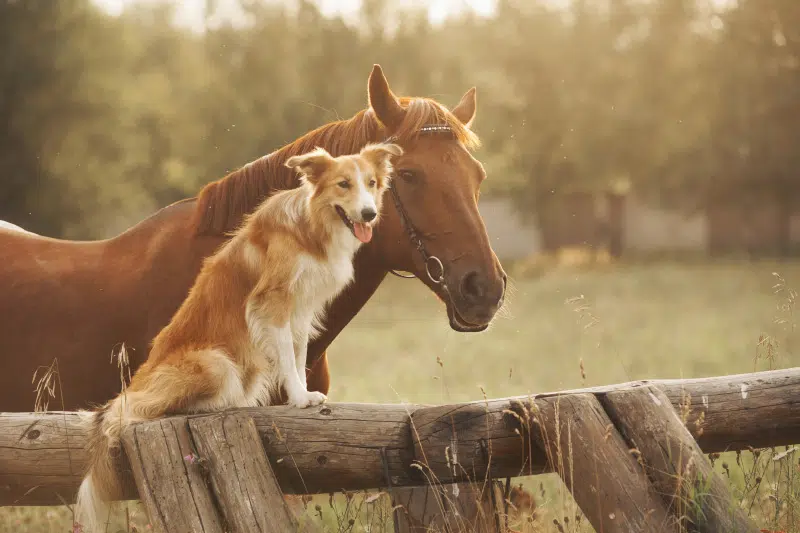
(69, 306)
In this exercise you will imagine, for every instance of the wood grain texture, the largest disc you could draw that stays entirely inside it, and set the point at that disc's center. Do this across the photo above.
(449, 507)
(674, 462)
(174, 492)
(332, 447)
(596, 465)
(337, 446)
(229, 448)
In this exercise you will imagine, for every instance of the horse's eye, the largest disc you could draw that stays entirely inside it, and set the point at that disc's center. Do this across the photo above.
(372, 183)
(344, 184)
(408, 175)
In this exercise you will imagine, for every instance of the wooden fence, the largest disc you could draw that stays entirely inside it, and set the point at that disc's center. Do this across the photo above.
(625, 451)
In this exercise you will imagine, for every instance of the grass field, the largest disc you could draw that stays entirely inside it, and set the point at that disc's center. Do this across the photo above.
(623, 322)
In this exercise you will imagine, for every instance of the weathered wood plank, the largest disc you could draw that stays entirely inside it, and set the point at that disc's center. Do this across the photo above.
(229, 448)
(328, 448)
(760, 409)
(42, 458)
(595, 463)
(674, 462)
(175, 495)
(449, 507)
(449, 442)
(337, 446)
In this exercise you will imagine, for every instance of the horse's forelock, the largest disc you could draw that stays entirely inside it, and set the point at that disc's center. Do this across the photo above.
(425, 112)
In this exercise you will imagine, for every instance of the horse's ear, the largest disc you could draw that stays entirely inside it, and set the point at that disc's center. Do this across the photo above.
(465, 110)
(311, 165)
(383, 101)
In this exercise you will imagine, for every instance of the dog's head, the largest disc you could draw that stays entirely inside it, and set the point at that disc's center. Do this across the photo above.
(348, 188)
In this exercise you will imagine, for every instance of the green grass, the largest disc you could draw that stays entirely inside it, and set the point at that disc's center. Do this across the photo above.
(624, 322)
(638, 321)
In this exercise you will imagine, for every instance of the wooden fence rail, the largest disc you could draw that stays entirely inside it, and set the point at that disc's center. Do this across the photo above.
(342, 446)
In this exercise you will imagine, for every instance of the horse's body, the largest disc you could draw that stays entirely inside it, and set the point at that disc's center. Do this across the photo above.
(78, 302)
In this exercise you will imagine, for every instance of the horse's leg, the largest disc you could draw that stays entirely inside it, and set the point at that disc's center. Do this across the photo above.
(319, 378)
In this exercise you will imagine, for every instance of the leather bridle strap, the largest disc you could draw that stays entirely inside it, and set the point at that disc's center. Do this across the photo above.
(411, 231)
(413, 236)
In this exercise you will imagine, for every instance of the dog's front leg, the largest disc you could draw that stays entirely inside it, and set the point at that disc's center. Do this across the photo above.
(269, 320)
(300, 335)
(287, 363)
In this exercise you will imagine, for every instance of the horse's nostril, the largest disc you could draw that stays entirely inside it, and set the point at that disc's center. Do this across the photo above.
(368, 214)
(472, 287)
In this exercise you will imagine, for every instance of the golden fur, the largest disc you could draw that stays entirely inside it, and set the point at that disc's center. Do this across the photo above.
(242, 333)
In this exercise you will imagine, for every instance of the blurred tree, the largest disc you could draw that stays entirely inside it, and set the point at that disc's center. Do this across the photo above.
(756, 119)
(42, 67)
(105, 119)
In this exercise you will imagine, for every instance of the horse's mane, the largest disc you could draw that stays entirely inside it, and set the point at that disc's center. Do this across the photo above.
(222, 204)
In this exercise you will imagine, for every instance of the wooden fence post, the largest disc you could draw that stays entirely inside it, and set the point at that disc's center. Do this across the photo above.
(595, 463)
(450, 507)
(207, 474)
(674, 462)
(175, 495)
(250, 499)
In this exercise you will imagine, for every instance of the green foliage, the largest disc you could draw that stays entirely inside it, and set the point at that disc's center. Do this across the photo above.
(104, 119)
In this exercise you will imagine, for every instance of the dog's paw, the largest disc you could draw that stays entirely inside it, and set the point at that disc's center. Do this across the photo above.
(307, 399)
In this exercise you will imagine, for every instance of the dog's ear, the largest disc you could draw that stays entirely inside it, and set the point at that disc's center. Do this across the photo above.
(311, 165)
(380, 154)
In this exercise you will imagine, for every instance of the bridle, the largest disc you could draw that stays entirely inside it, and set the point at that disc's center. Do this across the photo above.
(414, 236)
(411, 230)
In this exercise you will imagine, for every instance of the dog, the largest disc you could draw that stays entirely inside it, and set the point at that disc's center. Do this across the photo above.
(242, 333)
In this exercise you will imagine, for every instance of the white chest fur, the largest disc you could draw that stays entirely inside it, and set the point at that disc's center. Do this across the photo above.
(317, 281)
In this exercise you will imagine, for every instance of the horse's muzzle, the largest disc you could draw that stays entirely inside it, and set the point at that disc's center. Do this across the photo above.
(474, 301)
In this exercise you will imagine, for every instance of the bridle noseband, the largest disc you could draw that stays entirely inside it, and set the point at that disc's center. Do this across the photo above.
(411, 231)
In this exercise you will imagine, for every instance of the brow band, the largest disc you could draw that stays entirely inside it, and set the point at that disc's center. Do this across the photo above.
(430, 128)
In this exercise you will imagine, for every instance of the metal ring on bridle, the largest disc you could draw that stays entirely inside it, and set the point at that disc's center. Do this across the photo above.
(404, 276)
(440, 278)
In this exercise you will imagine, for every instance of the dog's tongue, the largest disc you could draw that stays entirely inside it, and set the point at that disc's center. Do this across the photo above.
(363, 232)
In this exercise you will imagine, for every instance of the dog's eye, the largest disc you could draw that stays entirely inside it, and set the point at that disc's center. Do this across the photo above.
(344, 184)
(372, 183)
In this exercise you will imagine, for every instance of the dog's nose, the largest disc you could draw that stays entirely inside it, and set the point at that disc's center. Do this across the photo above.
(368, 214)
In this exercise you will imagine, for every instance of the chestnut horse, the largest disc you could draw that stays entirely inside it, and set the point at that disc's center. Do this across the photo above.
(78, 302)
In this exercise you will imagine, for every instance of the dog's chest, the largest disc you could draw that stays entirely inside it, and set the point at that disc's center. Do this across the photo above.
(319, 280)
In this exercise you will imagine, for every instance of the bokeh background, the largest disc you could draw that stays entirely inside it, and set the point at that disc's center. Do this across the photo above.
(643, 158)
(637, 123)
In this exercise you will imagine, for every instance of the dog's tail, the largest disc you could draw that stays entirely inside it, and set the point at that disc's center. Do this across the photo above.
(101, 485)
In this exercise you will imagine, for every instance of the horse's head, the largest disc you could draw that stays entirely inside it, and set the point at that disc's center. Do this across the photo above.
(431, 225)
